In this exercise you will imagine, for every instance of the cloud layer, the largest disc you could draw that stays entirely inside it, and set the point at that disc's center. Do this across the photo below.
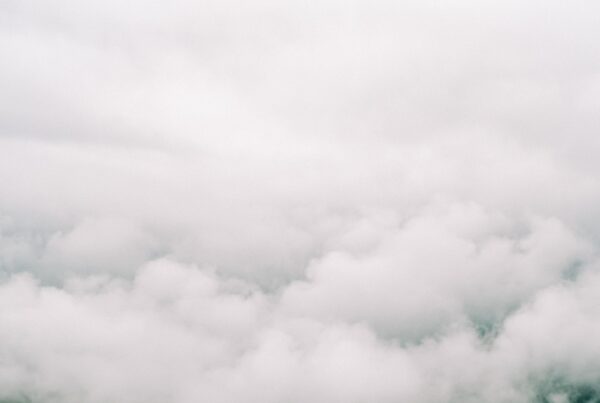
(296, 201)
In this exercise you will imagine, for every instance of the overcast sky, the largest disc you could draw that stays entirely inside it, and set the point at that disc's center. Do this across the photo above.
(295, 201)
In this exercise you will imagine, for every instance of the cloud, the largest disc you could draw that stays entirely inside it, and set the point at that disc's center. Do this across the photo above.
(296, 201)
(428, 274)
(180, 333)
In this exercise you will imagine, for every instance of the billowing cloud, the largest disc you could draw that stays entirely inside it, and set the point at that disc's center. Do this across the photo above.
(296, 201)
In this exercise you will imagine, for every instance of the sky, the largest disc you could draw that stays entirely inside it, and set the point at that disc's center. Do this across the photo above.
(297, 201)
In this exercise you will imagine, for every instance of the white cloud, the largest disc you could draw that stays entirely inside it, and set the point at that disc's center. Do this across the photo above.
(296, 201)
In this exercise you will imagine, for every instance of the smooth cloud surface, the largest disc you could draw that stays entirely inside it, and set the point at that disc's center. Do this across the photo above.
(355, 201)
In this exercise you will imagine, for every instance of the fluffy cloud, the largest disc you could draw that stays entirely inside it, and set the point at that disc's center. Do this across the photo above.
(295, 201)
